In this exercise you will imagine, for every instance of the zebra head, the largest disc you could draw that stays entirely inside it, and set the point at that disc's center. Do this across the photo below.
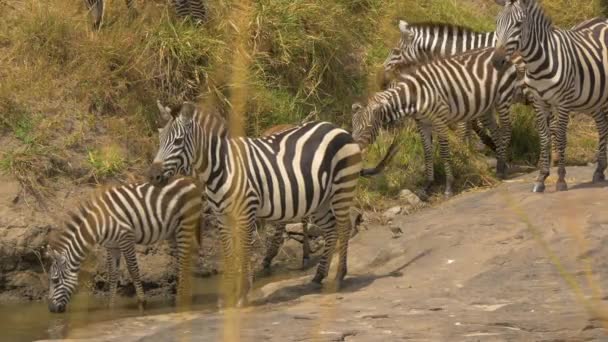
(508, 31)
(62, 281)
(362, 124)
(176, 151)
(402, 53)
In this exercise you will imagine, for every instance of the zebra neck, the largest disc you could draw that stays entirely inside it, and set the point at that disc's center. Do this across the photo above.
(75, 244)
(212, 162)
(396, 103)
(537, 39)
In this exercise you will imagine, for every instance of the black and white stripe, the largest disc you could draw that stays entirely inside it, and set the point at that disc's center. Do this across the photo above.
(566, 71)
(420, 42)
(118, 219)
(440, 92)
(307, 171)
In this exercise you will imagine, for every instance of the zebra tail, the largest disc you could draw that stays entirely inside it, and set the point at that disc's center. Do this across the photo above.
(390, 154)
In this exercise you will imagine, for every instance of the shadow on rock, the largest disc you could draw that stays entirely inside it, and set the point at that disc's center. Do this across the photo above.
(350, 284)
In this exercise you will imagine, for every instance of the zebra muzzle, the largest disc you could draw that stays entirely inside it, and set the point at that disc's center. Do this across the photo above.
(500, 61)
(56, 308)
(156, 175)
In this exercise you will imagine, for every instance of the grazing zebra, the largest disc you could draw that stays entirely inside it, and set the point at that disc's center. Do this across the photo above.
(424, 41)
(437, 93)
(183, 8)
(118, 219)
(566, 71)
(308, 171)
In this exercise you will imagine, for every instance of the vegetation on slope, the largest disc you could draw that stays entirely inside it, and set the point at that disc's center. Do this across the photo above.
(80, 106)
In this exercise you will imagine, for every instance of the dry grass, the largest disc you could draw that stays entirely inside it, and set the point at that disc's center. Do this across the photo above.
(70, 92)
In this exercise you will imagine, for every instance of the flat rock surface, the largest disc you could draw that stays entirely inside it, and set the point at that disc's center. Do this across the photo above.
(479, 267)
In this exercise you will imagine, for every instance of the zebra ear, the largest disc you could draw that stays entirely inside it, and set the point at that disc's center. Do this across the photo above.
(404, 27)
(356, 106)
(187, 111)
(165, 112)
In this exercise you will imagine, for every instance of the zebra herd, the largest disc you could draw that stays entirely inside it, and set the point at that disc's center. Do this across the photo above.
(438, 75)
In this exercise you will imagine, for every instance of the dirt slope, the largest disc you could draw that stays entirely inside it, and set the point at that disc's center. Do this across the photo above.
(466, 270)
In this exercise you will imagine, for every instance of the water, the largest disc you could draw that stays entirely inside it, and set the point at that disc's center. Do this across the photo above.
(32, 320)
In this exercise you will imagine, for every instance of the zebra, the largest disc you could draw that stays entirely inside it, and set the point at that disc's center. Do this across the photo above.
(439, 92)
(423, 41)
(119, 218)
(307, 171)
(277, 238)
(566, 71)
(183, 8)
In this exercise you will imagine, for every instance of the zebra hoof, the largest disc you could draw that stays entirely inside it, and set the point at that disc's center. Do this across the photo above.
(538, 187)
(241, 303)
(141, 305)
(316, 281)
(561, 186)
(598, 177)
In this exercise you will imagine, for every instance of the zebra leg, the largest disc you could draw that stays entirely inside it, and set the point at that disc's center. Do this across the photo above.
(248, 227)
(561, 142)
(305, 245)
(113, 262)
(229, 270)
(425, 130)
(542, 113)
(601, 123)
(341, 204)
(444, 152)
(326, 221)
(184, 237)
(487, 122)
(553, 123)
(463, 131)
(504, 140)
(236, 250)
(273, 247)
(96, 7)
(127, 247)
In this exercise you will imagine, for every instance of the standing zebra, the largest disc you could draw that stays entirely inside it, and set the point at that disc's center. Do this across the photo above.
(567, 71)
(308, 171)
(437, 93)
(118, 219)
(183, 8)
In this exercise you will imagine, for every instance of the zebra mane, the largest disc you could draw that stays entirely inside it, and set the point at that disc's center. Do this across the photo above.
(460, 29)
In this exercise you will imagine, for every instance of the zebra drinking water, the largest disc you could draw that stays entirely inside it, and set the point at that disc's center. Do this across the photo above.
(118, 219)
(440, 92)
(308, 171)
(566, 70)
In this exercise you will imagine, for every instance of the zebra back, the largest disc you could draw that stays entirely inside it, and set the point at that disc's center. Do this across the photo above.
(422, 41)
